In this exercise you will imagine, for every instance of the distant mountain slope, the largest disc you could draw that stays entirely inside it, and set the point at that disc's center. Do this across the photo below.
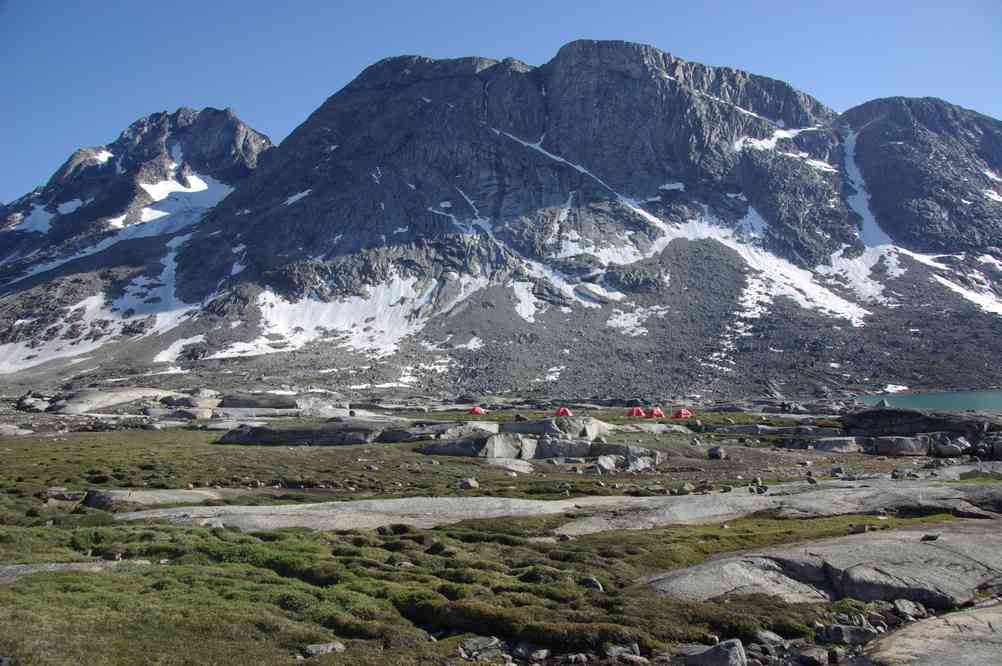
(615, 220)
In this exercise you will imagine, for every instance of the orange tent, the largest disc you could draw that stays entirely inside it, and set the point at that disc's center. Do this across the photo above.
(564, 411)
(682, 414)
(656, 413)
(636, 411)
(478, 410)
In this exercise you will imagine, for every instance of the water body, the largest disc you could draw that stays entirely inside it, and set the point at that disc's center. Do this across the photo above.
(951, 401)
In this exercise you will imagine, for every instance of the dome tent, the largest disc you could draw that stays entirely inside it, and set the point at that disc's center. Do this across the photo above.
(564, 411)
(636, 411)
(477, 410)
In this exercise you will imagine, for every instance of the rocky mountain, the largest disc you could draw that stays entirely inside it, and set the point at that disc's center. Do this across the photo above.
(616, 221)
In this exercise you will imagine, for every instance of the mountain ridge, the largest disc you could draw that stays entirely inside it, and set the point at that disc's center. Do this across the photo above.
(567, 197)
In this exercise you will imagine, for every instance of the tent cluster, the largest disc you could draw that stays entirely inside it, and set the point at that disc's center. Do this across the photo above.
(657, 413)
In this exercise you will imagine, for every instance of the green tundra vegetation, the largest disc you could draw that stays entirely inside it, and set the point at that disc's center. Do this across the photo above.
(200, 595)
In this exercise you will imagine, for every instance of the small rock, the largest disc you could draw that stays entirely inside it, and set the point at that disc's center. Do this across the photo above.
(468, 484)
(318, 649)
(716, 453)
(726, 653)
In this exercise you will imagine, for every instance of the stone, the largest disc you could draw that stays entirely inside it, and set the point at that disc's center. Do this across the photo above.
(901, 446)
(317, 649)
(726, 653)
(843, 634)
(592, 583)
(717, 453)
(468, 484)
(909, 609)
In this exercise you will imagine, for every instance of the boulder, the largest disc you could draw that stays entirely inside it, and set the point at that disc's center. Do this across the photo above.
(189, 401)
(570, 427)
(317, 649)
(725, 653)
(545, 427)
(717, 453)
(10, 430)
(836, 444)
(844, 634)
(30, 402)
(946, 446)
(425, 430)
(468, 484)
(485, 445)
(904, 422)
(259, 401)
(193, 414)
(348, 431)
(627, 451)
(563, 448)
(901, 446)
(94, 400)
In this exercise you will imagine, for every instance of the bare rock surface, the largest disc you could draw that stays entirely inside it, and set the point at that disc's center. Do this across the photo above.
(874, 566)
(609, 513)
(971, 637)
(94, 400)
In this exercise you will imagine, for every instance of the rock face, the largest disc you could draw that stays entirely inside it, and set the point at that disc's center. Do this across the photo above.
(464, 224)
(941, 574)
(969, 637)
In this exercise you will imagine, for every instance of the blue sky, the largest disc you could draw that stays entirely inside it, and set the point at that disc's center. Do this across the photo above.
(76, 73)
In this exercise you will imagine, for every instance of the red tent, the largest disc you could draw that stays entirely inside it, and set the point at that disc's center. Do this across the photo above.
(478, 410)
(682, 414)
(656, 413)
(636, 411)
(564, 411)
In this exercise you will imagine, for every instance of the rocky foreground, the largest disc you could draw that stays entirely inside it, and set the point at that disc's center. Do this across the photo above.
(746, 533)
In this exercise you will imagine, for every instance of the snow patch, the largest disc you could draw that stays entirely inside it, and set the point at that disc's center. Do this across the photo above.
(170, 354)
(69, 206)
(374, 323)
(986, 300)
(993, 195)
(296, 197)
(631, 323)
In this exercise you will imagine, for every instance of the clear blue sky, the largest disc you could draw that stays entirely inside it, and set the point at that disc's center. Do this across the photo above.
(76, 73)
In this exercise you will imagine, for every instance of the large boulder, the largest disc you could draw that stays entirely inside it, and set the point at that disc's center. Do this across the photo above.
(95, 400)
(901, 446)
(259, 401)
(564, 427)
(725, 653)
(425, 430)
(348, 431)
(629, 452)
(898, 421)
(550, 447)
(946, 446)
(486, 445)
(189, 401)
(836, 444)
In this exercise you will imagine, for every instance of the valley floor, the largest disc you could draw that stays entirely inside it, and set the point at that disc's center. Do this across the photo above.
(90, 575)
